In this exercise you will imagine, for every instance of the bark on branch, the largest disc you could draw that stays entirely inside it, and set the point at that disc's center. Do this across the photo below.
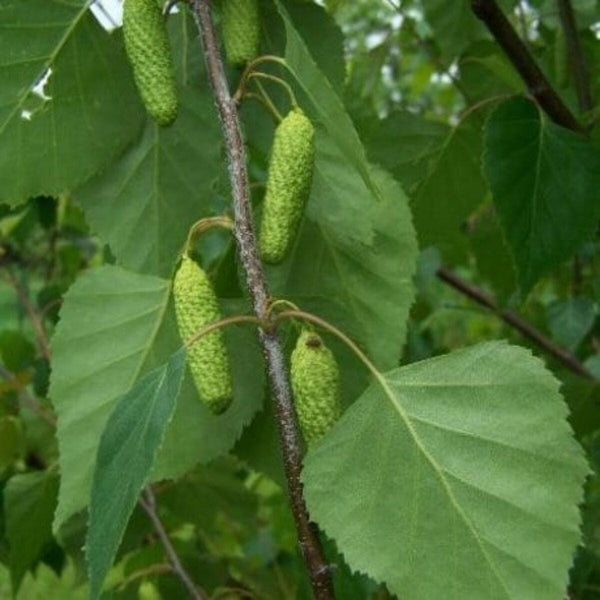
(318, 570)
(148, 503)
(516, 50)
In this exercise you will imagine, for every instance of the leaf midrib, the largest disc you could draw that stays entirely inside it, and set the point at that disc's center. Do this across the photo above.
(440, 474)
(535, 192)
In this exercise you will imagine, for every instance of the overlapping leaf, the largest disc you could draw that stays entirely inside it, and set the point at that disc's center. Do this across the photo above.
(545, 182)
(456, 478)
(109, 321)
(29, 503)
(452, 189)
(403, 143)
(89, 110)
(127, 450)
(323, 36)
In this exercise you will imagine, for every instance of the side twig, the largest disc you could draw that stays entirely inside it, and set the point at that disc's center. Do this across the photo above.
(516, 50)
(31, 311)
(510, 318)
(318, 570)
(576, 58)
(148, 503)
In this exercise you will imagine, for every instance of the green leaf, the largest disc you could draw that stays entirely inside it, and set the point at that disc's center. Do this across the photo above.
(454, 25)
(545, 182)
(128, 447)
(323, 38)
(108, 322)
(16, 351)
(12, 441)
(402, 143)
(196, 435)
(495, 263)
(114, 326)
(485, 72)
(90, 110)
(570, 320)
(258, 446)
(29, 503)
(145, 202)
(583, 397)
(359, 280)
(465, 479)
(453, 188)
(47, 584)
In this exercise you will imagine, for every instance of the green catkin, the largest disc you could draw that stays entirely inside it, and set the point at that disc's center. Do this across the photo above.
(288, 184)
(196, 307)
(149, 53)
(241, 30)
(315, 380)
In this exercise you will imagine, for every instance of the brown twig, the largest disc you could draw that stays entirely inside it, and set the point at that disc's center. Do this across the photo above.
(318, 569)
(148, 503)
(516, 50)
(32, 313)
(514, 320)
(580, 72)
(159, 569)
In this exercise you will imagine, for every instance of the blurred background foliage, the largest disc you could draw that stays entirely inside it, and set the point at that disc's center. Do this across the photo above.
(421, 77)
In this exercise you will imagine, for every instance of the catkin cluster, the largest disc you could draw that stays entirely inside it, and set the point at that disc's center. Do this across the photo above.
(196, 307)
(149, 53)
(288, 184)
(315, 380)
(241, 30)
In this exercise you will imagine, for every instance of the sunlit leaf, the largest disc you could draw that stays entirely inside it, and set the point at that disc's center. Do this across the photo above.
(457, 477)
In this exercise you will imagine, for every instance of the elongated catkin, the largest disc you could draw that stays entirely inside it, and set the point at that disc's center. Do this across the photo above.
(241, 30)
(196, 306)
(288, 185)
(149, 53)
